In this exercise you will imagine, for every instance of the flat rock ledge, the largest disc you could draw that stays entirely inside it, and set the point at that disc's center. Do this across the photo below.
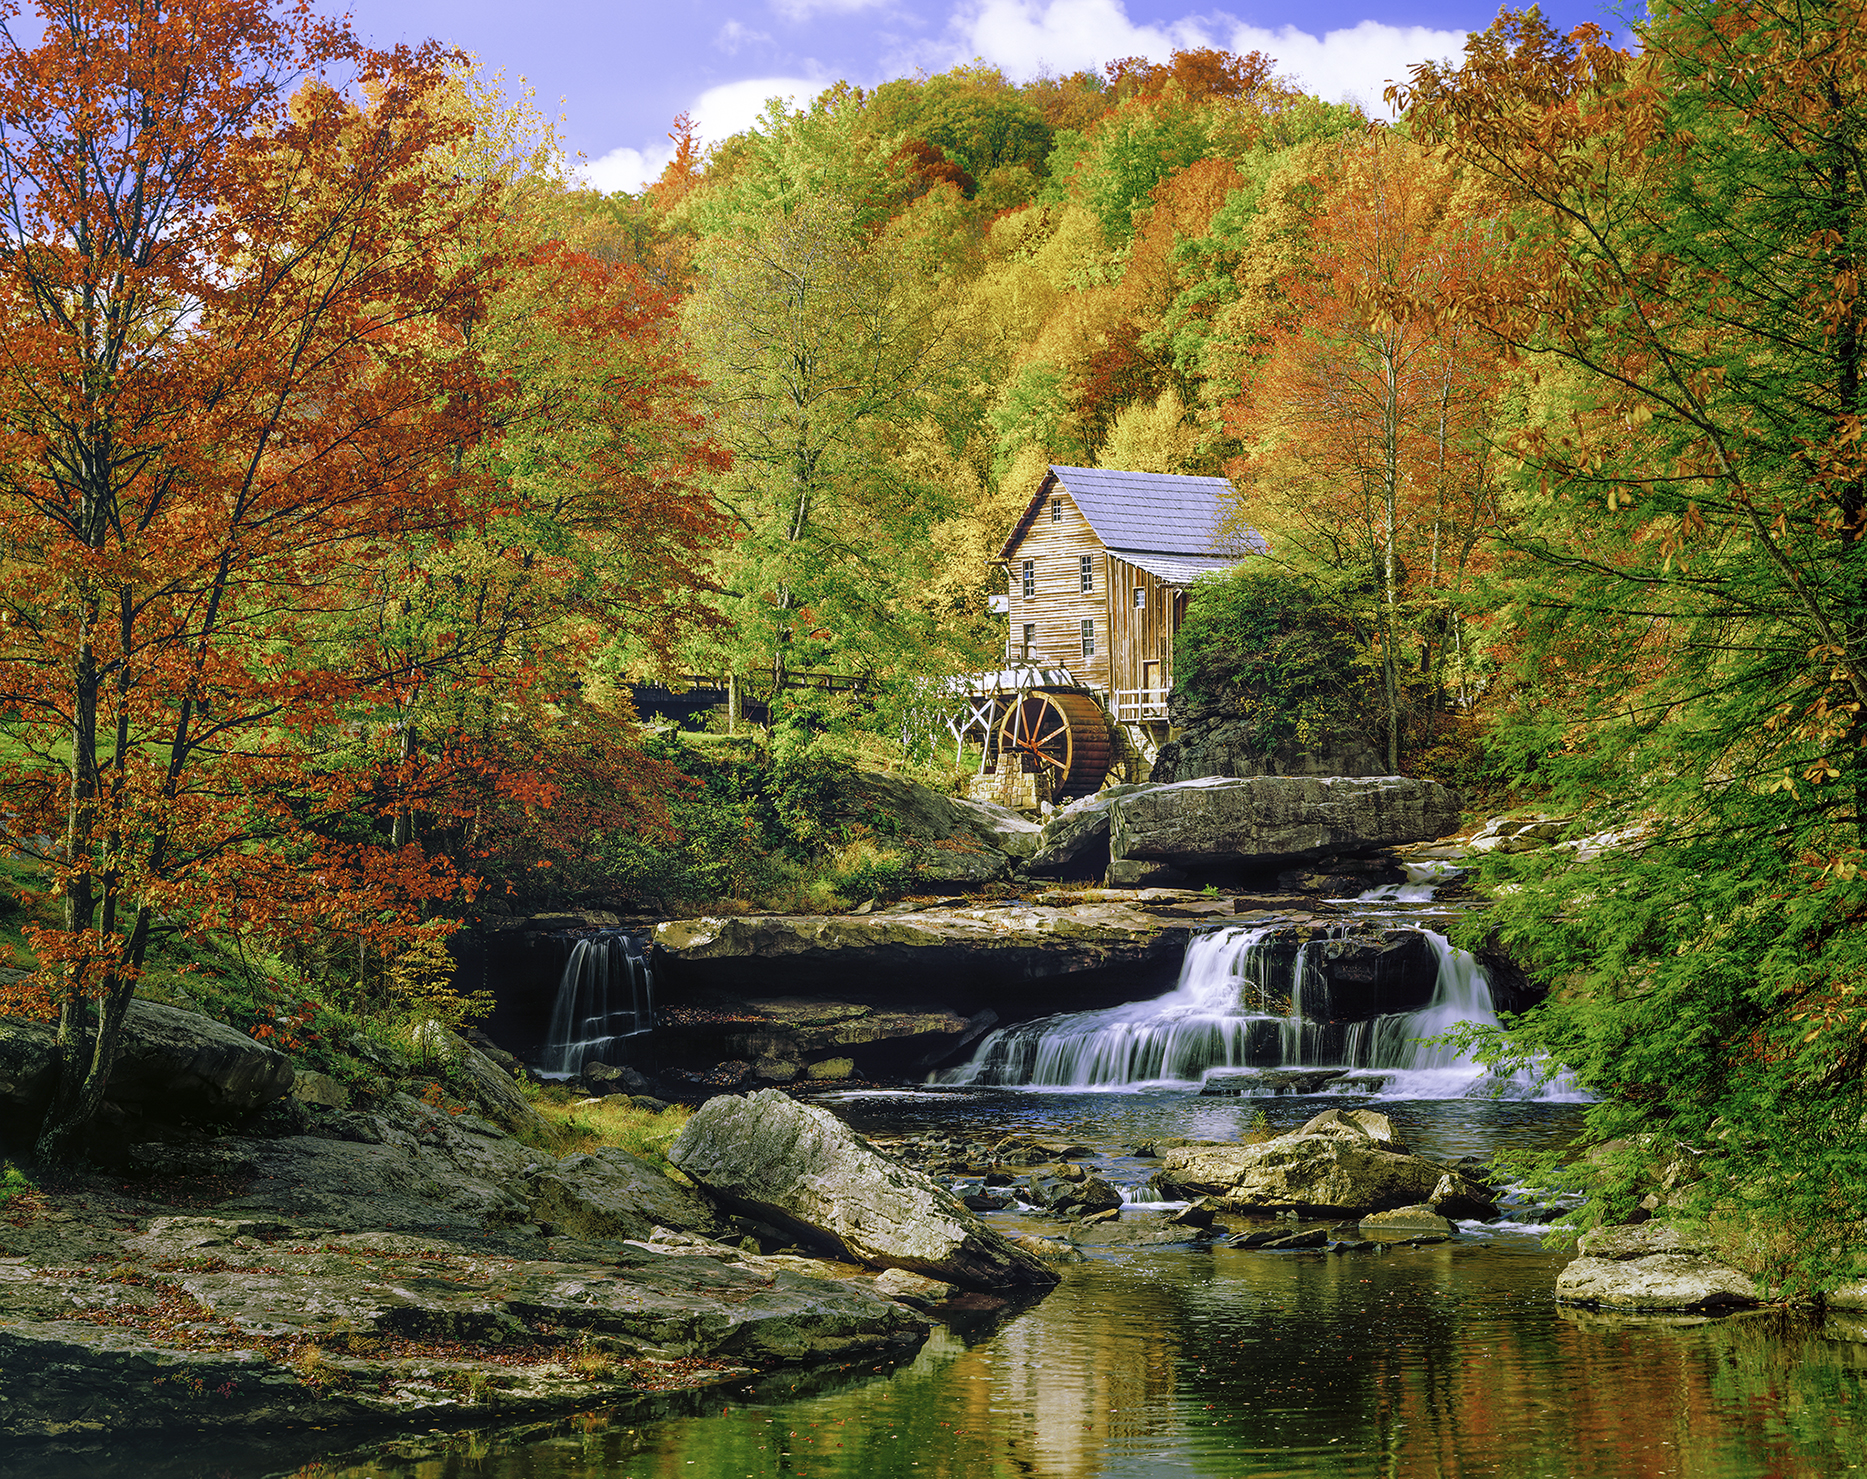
(262, 1322)
(1653, 1266)
(399, 1266)
(1275, 819)
(958, 954)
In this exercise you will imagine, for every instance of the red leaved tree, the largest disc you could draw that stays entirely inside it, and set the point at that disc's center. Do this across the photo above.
(233, 377)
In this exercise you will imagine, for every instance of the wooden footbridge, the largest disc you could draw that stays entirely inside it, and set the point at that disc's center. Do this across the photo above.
(680, 697)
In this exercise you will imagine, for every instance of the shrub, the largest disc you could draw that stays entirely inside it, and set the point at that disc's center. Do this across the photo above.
(1277, 648)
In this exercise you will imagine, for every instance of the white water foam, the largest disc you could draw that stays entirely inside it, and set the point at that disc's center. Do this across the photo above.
(607, 993)
(1234, 1008)
(1422, 879)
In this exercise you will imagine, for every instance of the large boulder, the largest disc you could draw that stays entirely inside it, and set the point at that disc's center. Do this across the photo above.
(959, 842)
(802, 1169)
(1213, 742)
(1273, 820)
(26, 1067)
(1660, 1281)
(612, 1194)
(493, 1088)
(1012, 833)
(1075, 838)
(1344, 1165)
(1653, 1266)
(174, 1064)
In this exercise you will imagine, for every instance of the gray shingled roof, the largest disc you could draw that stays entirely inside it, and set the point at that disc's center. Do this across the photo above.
(1162, 513)
(1176, 569)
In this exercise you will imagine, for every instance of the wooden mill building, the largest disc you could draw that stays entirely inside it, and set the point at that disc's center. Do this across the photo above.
(1100, 566)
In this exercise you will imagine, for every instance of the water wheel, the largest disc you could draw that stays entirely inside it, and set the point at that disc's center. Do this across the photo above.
(1061, 735)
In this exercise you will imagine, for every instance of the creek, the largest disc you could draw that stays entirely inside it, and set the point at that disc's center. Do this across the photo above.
(1444, 1359)
(1450, 1359)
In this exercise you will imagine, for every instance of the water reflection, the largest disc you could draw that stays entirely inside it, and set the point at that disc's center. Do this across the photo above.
(1429, 1362)
(1420, 1363)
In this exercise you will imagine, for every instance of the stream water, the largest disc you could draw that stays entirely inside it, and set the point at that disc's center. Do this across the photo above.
(1445, 1360)
(1438, 1361)
(1448, 1360)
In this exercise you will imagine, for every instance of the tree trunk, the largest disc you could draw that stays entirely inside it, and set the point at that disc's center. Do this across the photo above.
(1390, 498)
(88, 1038)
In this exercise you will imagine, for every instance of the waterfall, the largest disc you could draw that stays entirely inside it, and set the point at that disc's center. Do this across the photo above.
(1235, 1008)
(607, 993)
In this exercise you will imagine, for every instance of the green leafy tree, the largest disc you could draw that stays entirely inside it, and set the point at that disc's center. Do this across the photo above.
(1682, 298)
(1279, 648)
(821, 360)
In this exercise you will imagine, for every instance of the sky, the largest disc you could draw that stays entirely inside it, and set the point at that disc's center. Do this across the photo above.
(620, 71)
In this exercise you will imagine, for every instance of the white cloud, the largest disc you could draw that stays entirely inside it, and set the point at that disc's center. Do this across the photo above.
(732, 36)
(732, 107)
(803, 10)
(718, 113)
(1025, 37)
(626, 169)
(1352, 65)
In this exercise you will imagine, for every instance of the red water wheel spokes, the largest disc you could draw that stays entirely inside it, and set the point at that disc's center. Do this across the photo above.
(1037, 731)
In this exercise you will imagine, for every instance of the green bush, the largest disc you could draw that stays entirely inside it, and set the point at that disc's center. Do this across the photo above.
(1278, 648)
(758, 820)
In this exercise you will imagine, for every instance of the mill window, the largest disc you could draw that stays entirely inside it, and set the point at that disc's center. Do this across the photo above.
(1030, 638)
(1089, 572)
(1056, 510)
(1089, 638)
(1140, 598)
(1029, 572)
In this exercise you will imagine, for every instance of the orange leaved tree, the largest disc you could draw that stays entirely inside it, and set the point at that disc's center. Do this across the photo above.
(1365, 418)
(233, 376)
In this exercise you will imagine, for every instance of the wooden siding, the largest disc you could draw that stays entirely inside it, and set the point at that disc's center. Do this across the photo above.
(1141, 635)
(1060, 605)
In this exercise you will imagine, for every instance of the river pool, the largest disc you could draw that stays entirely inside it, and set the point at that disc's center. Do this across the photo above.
(1445, 1360)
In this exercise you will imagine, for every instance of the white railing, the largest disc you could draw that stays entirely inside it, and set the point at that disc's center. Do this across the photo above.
(1133, 705)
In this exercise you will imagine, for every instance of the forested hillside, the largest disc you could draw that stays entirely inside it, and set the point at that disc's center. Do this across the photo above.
(354, 458)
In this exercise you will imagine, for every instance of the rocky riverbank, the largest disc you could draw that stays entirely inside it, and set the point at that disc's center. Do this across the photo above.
(304, 1263)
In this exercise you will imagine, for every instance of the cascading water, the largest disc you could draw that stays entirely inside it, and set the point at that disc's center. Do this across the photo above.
(1422, 879)
(1234, 1007)
(606, 994)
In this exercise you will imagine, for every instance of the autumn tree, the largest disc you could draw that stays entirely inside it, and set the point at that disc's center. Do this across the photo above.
(515, 630)
(1681, 299)
(232, 374)
(1365, 418)
(820, 362)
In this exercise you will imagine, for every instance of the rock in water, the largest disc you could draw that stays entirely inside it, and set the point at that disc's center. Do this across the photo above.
(1660, 1281)
(1418, 1218)
(1356, 1125)
(1334, 1166)
(801, 1168)
(911, 1289)
(1652, 1266)
(603, 1079)
(1458, 1197)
